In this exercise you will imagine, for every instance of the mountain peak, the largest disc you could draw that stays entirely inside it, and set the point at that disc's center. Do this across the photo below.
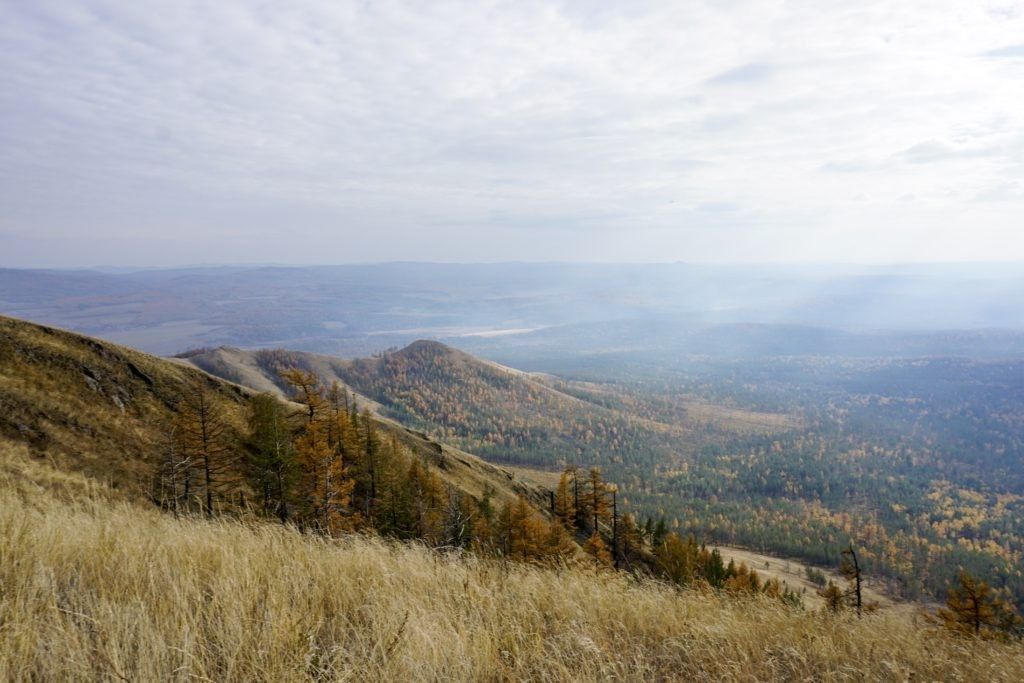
(429, 347)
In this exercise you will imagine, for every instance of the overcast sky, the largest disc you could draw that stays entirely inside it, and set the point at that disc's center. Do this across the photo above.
(170, 132)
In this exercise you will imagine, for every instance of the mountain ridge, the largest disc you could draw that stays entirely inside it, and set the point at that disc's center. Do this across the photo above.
(99, 408)
(500, 413)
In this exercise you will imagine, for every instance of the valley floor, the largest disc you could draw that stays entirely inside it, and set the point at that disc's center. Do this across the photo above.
(94, 589)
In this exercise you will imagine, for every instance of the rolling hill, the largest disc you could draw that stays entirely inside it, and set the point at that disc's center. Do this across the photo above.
(503, 414)
(103, 410)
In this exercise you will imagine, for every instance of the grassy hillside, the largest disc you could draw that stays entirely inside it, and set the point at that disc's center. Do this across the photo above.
(95, 589)
(103, 410)
(92, 406)
(506, 415)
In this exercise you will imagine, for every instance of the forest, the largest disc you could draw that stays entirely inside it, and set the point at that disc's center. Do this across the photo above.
(912, 460)
(327, 470)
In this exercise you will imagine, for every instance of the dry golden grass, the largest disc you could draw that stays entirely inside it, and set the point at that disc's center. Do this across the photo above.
(97, 589)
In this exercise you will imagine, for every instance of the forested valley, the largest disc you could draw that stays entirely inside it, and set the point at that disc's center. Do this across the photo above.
(911, 460)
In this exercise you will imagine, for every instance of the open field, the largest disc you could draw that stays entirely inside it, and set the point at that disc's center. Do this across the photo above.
(100, 590)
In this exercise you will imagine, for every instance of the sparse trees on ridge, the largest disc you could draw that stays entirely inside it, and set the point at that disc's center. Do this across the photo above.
(326, 468)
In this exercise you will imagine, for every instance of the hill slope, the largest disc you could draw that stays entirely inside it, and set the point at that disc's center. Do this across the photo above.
(101, 409)
(503, 414)
(98, 590)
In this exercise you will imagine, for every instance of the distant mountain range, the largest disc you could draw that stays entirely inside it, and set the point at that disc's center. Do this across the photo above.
(359, 309)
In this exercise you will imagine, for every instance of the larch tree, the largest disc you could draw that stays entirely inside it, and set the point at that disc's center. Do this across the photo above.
(272, 463)
(325, 487)
(172, 483)
(598, 549)
(630, 542)
(597, 500)
(833, 596)
(850, 568)
(565, 505)
(371, 464)
(973, 608)
(429, 500)
(519, 531)
(306, 390)
(675, 559)
(204, 436)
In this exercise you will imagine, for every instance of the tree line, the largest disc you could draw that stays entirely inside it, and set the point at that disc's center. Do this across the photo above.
(327, 468)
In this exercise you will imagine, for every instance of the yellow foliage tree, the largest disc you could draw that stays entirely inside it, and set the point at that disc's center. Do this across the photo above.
(205, 444)
(973, 608)
(596, 547)
(565, 504)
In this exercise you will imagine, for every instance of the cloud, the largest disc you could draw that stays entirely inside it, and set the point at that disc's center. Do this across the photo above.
(934, 151)
(851, 166)
(745, 74)
(342, 130)
(1008, 51)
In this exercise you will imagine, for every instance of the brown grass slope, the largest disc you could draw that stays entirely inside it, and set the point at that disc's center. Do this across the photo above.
(92, 406)
(96, 589)
(95, 407)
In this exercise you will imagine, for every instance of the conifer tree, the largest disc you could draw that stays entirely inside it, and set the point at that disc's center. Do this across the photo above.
(850, 568)
(712, 567)
(565, 506)
(973, 608)
(675, 559)
(326, 486)
(742, 579)
(659, 533)
(458, 521)
(597, 502)
(833, 596)
(521, 531)
(307, 390)
(596, 547)
(630, 541)
(272, 463)
(371, 446)
(483, 533)
(615, 524)
(204, 440)
(172, 479)
(428, 501)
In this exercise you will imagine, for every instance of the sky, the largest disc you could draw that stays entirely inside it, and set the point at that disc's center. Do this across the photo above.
(171, 132)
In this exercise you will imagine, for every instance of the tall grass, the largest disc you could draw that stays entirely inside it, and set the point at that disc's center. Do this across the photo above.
(92, 589)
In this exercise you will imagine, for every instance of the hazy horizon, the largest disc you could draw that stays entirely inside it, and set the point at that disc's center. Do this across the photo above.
(752, 132)
(781, 266)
